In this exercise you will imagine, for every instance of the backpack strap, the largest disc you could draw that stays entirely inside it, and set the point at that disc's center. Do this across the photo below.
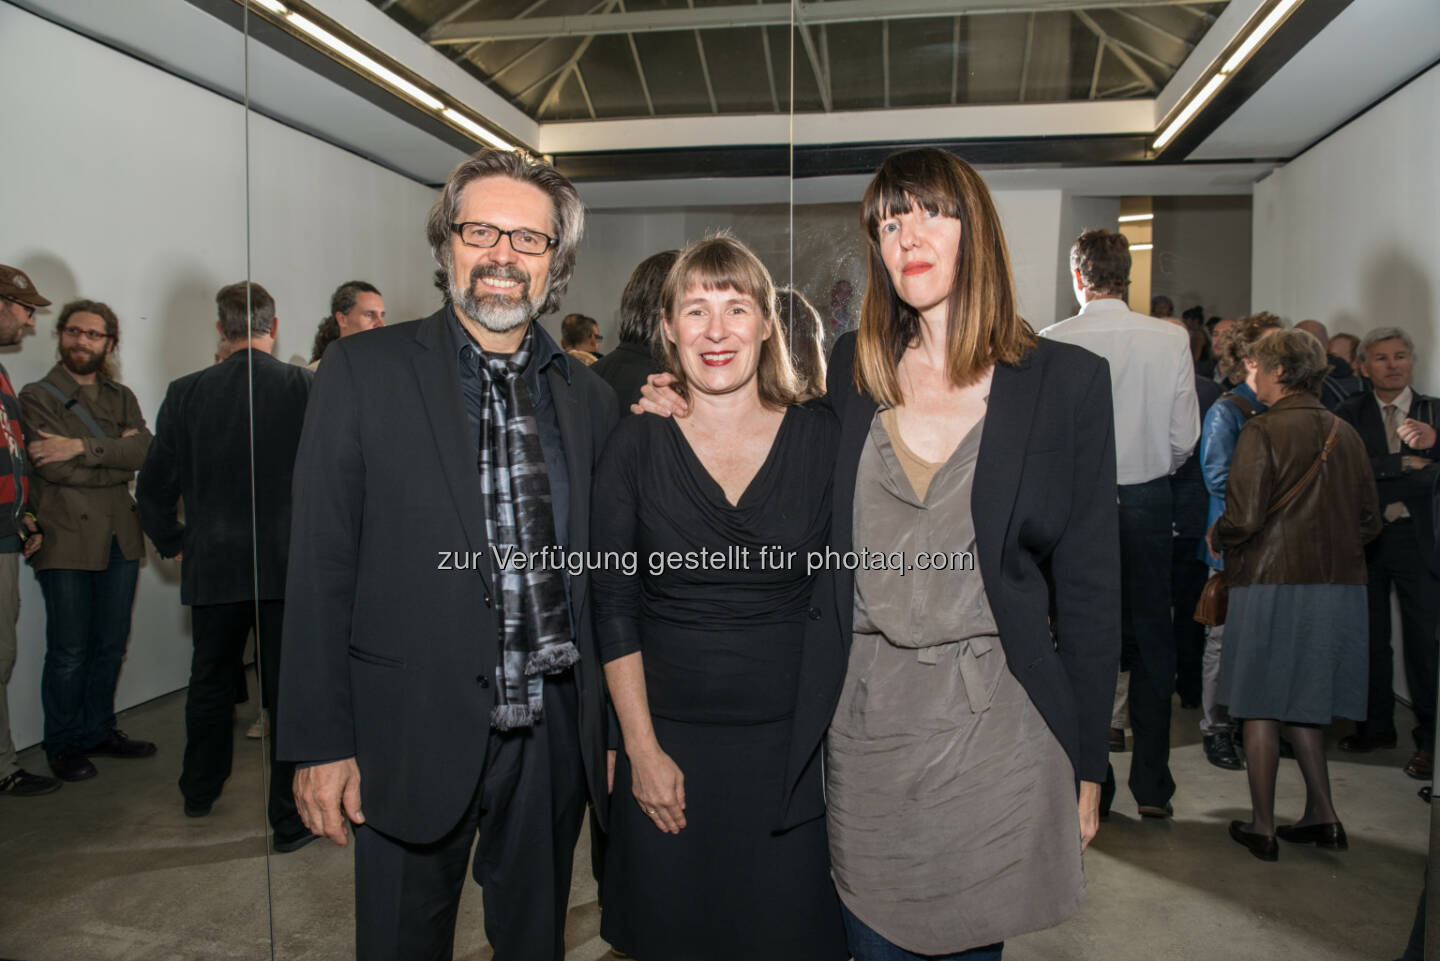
(1241, 403)
(72, 404)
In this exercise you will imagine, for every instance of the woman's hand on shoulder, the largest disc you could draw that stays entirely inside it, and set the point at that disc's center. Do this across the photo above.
(658, 397)
(659, 788)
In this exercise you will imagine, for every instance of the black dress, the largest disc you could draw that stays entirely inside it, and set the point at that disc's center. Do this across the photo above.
(721, 631)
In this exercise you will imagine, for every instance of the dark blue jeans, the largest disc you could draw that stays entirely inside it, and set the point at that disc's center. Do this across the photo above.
(866, 945)
(87, 624)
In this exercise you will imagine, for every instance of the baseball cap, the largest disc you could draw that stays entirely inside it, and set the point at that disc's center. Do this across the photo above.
(15, 285)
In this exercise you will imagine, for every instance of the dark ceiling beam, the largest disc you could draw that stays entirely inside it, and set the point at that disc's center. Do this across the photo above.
(756, 15)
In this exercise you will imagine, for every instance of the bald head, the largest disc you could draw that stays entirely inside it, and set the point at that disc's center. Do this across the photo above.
(1315, 329)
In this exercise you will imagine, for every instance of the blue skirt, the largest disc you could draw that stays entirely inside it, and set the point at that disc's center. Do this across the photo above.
(1298, 653)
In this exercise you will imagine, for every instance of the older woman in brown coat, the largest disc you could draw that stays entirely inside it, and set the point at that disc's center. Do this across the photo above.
(1300, 505)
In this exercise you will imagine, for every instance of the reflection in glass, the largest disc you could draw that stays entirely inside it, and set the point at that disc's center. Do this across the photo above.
(152, 166)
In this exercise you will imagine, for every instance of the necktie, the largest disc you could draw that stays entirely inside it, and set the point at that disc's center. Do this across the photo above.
(1394, 510)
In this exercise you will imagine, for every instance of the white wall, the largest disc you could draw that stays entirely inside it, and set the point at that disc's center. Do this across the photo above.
(125, 184)
(1202, 254)
(1347, 233)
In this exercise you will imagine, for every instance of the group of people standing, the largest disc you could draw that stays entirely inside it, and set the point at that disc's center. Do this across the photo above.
(784, 760)
(966, 711)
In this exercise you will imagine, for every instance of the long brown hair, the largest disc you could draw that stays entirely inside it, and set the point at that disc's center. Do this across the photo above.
(984, 326)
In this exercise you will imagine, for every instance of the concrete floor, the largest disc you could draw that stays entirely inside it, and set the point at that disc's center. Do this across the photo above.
(110, 869)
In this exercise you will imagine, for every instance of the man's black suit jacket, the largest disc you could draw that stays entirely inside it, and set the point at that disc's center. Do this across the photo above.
(389, 657)
(202, 455)
(1047, 542)
(1362, 411)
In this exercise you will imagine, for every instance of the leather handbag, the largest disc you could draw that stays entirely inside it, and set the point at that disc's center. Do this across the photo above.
(1214, 600)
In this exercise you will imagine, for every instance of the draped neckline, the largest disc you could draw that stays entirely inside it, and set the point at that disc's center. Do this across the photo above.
(707, 482)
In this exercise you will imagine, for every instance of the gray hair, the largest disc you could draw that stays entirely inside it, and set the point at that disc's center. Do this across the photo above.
(566, 225)
(245, 309)
(1377, 335)
(1300, 357)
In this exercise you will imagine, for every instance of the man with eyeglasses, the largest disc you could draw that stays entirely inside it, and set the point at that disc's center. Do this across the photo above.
(439, 690)
(18, 531)
(87, 440)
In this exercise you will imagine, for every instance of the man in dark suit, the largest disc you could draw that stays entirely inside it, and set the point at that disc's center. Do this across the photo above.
(442, 691)
(203, 454)
(1398, 427)
(626, 367)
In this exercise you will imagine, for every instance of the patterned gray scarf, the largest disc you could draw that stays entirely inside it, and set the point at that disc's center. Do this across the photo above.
(534, 616)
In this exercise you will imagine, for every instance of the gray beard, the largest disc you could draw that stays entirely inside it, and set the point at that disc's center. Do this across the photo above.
(494, 312)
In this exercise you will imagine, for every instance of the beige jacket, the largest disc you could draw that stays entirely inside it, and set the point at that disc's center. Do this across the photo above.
(85, 501)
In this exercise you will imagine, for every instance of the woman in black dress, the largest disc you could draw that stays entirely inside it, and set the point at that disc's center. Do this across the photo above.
(702, 646)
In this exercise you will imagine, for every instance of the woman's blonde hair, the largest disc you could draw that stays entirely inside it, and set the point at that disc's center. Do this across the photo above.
(720, 262)
(984, 326)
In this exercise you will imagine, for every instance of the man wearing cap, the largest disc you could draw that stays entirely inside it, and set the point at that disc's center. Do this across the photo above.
(18, 531)
(87, 440)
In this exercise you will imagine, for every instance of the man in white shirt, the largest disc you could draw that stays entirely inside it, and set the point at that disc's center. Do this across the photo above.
(1157, 423)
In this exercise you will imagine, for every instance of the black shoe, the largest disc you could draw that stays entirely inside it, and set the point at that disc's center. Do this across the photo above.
(286, 845)
(118, 745)
(1330, 836)
(1157, 810)
(1263, 846)
(1364, 743)
(70, 765)
(1220, 751)
(1287, 750)
(1421, 765)
(1117, 740)
(197, 809)
(25, 784)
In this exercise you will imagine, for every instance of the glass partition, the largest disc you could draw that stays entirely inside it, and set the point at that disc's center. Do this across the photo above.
(124, 208)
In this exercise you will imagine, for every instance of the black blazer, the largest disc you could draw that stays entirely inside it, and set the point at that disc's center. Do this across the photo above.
(1362, 411)
(1048, 545)
(389, 650)
(201, 454)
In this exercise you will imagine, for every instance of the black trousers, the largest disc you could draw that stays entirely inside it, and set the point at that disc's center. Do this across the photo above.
(1147, 640)
(1187, 579)
(1394, 560)
(220, 632)
(527, 811)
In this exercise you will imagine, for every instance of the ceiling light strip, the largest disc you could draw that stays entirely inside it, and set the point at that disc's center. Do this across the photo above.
(363, 61)
(1253, 39)
(1142, 246)
(1136, 218)
(354, 55)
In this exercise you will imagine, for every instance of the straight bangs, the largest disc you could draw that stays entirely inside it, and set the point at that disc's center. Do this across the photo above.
(721, 262)
(983, 327)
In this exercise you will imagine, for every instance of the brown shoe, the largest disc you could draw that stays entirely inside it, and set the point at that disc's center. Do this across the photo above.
(1364, 743)
(1421, 766)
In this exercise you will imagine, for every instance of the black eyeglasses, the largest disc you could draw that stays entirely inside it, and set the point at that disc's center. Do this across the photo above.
(522, 239)
(29, 311)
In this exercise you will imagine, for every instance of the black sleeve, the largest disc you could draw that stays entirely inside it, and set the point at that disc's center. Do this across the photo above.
(613, 536)
(1085, 569)
(157, 488)
(328, 506)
